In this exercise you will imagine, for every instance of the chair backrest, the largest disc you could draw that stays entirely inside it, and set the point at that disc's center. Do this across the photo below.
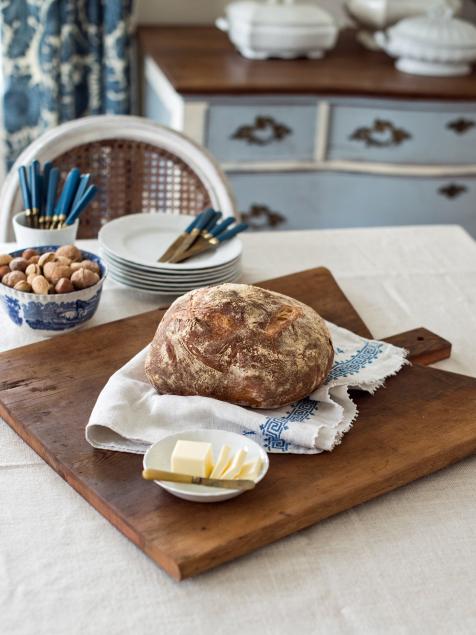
(138, 165)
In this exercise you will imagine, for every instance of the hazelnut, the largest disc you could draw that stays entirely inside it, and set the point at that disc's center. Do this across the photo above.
(10, 279)
(48, 256)
(4, 269)
(32, 268)
(91, 265)
(83, 278)
(5, 259)
(64, 285)
(18, 264)
(69, 251)
(54, 271)
(29, 253)
(23, 286)
(62, 260)
(34, 260)
(31, 277)
(40, 285)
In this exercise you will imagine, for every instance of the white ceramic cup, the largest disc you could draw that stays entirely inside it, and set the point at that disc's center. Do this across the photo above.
(32, 237)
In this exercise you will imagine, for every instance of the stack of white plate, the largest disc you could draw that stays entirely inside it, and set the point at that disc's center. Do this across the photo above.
(131, 246)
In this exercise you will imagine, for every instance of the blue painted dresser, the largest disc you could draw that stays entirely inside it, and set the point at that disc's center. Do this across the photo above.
(346, 141)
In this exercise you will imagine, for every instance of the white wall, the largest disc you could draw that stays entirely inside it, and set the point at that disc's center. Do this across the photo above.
(205, 11)
(199, 11)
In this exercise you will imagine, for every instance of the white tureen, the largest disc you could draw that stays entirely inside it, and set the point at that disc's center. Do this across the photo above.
(279, 29)
(437, 44)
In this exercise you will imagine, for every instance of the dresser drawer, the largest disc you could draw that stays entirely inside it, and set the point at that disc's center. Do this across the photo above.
(262, 132)
(402, 135)
(334, 199)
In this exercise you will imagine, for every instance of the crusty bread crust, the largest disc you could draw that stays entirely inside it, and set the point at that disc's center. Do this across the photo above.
(240, 344)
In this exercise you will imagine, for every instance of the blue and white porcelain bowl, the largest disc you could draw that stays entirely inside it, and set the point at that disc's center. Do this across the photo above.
(49, 315)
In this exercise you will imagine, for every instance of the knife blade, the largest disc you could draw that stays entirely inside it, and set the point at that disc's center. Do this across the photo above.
(190, 238)
(211, 243)
(150, 474)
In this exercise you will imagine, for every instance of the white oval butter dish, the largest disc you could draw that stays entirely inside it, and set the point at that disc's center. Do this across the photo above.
(158, 457)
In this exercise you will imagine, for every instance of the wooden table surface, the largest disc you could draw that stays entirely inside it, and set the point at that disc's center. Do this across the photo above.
(349, 69)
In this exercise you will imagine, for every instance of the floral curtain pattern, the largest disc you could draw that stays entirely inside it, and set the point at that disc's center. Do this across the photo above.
(62, 59)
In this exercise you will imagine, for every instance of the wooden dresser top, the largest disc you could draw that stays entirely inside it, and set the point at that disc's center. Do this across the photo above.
(200, 60)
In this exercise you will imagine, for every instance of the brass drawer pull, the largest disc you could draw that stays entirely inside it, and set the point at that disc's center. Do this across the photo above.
(452, 190)
(262, 132)
(461, 125)
(261, 216)
(382, 134)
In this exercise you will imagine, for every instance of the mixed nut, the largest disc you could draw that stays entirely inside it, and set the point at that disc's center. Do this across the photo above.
(60, 271)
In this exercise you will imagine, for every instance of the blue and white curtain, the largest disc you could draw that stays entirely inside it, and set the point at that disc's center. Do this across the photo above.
(62, 59)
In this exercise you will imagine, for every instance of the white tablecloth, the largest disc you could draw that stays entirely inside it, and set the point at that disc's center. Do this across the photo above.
(403, 563)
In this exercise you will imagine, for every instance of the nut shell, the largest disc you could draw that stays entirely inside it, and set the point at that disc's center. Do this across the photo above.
(91, 265)
(5, 259)
(10, 279)
(34, 259)
(69, 251)
(23, 285)
(29, 253)
(48, 256)
(4, 269)
(54, 272)
(18, 264)
(40, 285)
(33, 268)
(62, 260)
(84, 278)
(64, 285)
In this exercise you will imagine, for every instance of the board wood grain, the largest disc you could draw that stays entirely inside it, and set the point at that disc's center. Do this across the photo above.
(47, 391)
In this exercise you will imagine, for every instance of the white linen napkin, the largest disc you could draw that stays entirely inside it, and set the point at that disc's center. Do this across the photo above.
(130, 415)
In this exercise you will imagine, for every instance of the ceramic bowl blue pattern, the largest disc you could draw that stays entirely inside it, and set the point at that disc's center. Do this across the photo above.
(53, 314)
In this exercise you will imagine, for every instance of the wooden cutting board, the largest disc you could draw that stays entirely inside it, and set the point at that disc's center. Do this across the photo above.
(422, 421)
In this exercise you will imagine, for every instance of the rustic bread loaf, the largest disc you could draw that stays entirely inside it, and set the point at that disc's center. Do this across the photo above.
(241, 344)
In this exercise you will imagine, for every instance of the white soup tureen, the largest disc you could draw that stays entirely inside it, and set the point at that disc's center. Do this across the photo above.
(437, 44)
(279, 29)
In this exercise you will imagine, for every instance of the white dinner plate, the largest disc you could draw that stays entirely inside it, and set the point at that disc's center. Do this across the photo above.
(180, 284)
(142, 238)
(151, 274)
(139, 277)
(158, 457)
(169, 289)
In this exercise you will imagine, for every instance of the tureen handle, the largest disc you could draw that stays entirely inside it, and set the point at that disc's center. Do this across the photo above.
(222, 24)
(381, 38)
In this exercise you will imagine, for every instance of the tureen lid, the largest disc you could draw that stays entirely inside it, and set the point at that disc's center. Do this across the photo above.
(438, 27)
(275, 13)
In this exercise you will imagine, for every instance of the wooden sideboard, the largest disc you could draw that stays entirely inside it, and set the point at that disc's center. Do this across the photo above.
(344, 141)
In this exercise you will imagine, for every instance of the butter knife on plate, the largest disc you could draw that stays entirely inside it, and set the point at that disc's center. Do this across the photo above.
(162, 475)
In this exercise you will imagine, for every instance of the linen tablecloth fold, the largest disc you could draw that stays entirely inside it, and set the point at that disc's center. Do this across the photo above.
(130, 415)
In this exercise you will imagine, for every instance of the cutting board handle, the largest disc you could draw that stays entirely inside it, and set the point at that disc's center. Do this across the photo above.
(424, 346)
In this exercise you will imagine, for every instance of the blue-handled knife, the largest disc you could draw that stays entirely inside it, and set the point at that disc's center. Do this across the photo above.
(25, 193)
(35, 192)
(69, 191)
(178, 241)
(211, 243)
(202, 223)
(83, 202)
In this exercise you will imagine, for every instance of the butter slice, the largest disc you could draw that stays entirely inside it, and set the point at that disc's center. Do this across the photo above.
(235, 466)
(222, 462)
(192, 457)
(250, 470)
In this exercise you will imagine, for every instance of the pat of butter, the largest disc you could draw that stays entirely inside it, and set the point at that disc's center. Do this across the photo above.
(250, 470)
(235, 466)
(222, 462)
(192, 457)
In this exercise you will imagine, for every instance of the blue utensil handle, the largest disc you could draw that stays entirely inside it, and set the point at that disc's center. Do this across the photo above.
(232, 232)
(193, 224)
(82, 187)
(69, 190)
(25, 190)
(82, 204)
(213, 221)
(205, 219)
(53, 178)
(47, 167)
(222, 226)
(35, 185)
